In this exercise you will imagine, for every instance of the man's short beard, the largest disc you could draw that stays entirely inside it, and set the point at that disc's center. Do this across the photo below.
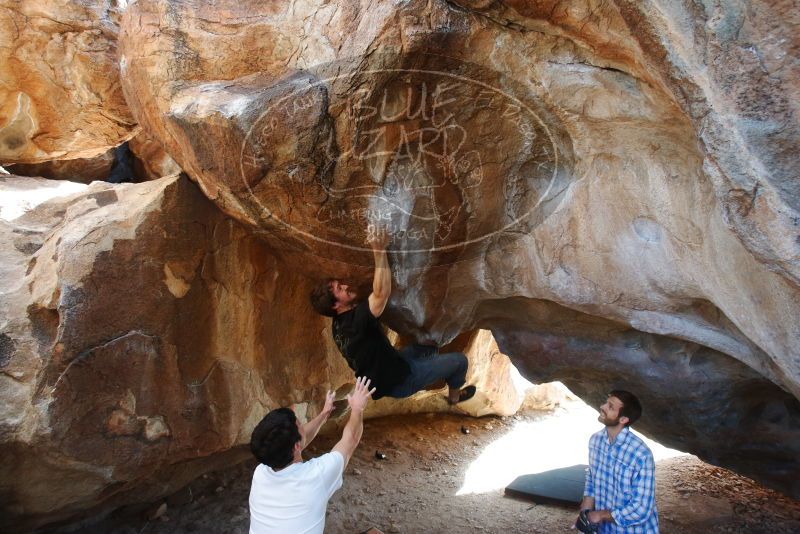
(606, 422)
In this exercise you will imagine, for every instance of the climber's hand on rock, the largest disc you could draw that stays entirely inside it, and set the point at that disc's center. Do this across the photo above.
(377, 237)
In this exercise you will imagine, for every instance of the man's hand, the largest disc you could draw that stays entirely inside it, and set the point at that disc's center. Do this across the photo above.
(311, 428)
(327, 409)
(582, 523)
(351, 434)
(382, 280)
(358, 398)
(587, 503)
(599, 516)
(377, 237)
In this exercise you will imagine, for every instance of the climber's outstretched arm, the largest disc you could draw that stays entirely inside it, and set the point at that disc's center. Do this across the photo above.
(382, 282)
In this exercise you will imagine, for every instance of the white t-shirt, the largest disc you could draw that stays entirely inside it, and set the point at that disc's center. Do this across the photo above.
(294, 499)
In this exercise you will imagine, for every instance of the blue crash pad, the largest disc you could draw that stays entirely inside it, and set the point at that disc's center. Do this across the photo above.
(559, 486)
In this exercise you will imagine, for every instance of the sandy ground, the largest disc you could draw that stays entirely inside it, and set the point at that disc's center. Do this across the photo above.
(436, 478)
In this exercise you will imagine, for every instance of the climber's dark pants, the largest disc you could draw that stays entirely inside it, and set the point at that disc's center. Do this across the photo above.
(428, 367)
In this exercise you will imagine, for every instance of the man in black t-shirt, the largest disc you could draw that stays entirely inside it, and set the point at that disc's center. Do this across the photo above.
(359, 337)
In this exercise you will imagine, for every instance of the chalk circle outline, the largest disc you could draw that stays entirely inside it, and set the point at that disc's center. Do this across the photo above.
(269, 214)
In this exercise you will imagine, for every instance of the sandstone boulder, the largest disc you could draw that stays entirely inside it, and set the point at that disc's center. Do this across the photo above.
(139, 160)
(151, 162)
(144, 335)
(60, 97)
(74, 170)
(540, 167)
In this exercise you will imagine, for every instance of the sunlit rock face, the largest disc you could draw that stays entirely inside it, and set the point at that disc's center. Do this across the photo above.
(144, 335)
(61, 96)
(625, 164)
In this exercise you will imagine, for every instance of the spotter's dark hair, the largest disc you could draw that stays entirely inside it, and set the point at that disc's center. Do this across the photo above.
(273, 439)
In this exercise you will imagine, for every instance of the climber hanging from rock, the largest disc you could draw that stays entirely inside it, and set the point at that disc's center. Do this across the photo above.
(358, 335)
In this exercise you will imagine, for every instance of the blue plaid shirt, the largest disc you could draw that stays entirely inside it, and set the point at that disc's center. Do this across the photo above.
(621, 478)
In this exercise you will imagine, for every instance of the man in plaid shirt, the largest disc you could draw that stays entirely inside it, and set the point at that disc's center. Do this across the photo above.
(620, 482)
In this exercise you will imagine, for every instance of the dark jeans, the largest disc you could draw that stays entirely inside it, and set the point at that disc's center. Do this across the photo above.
(427, 367)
